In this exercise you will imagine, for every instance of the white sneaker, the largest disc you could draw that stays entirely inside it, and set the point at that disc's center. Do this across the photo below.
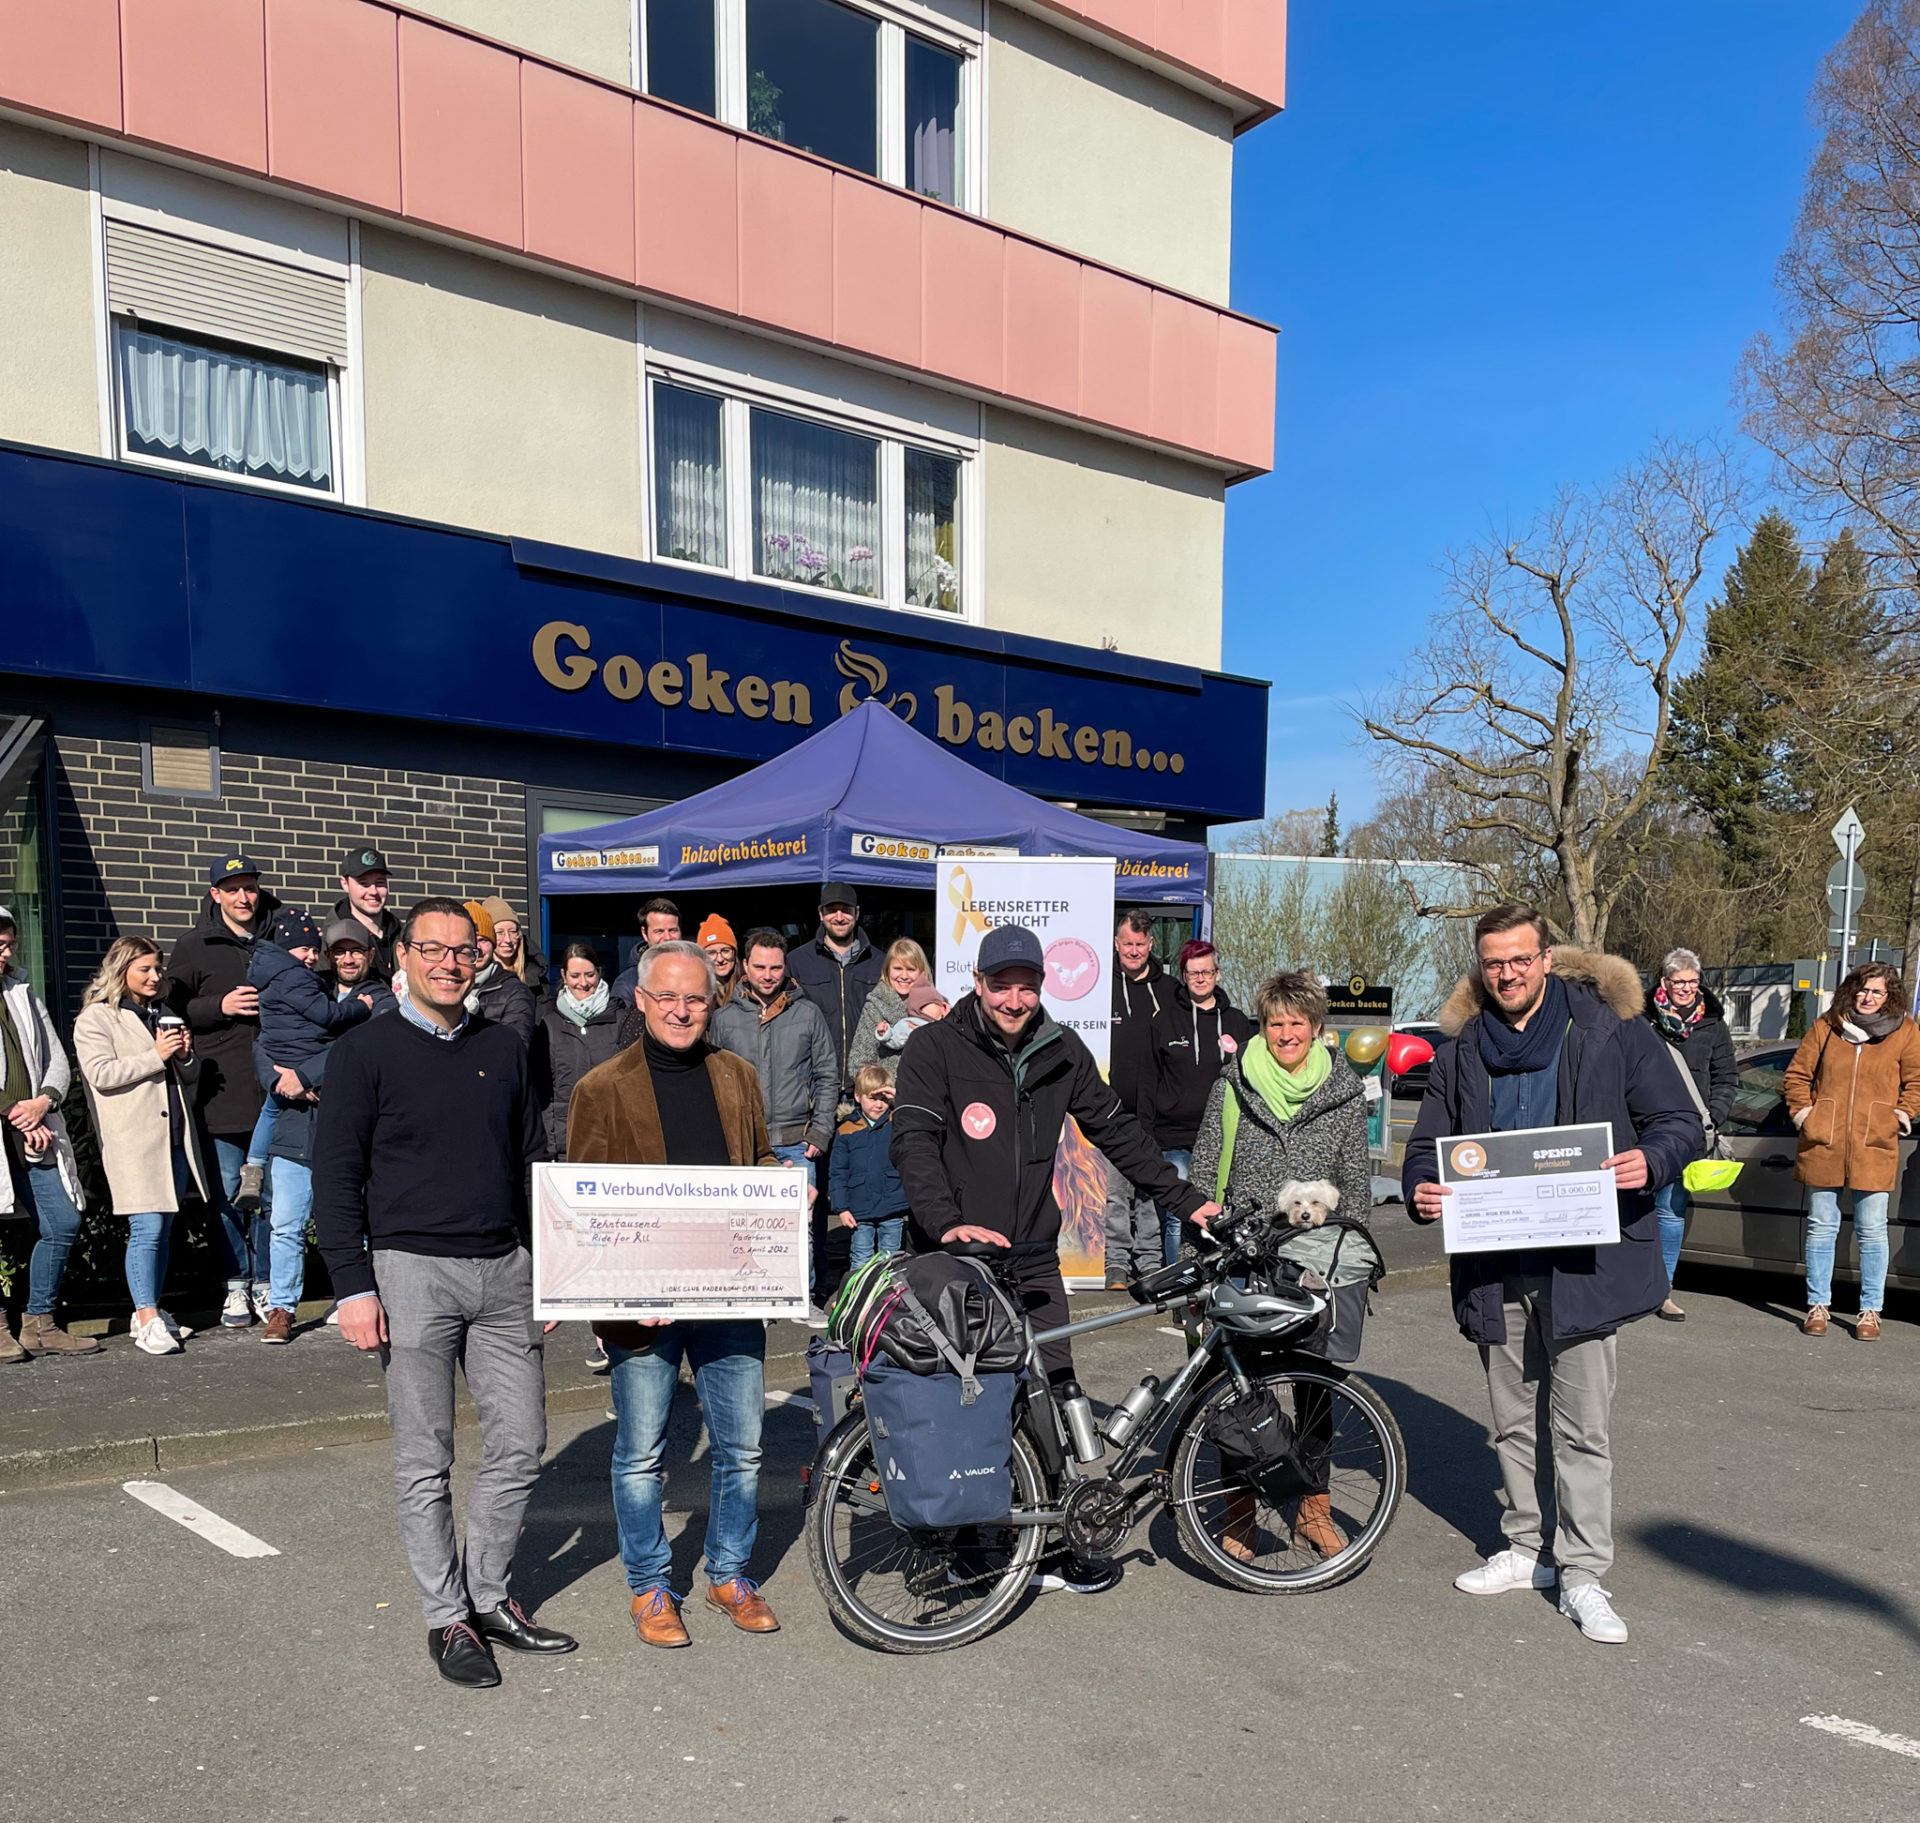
(1077, 1579)
(1591, 1610)
(153, 1337)
(175, 1330)
(261, 1298)
(237, 1311)
(1506, 1570)
(333, 1317)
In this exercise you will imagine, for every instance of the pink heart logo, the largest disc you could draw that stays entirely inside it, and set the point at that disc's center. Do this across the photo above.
(977, 1120)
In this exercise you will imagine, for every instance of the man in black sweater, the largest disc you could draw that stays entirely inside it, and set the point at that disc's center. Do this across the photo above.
(1141, 991)
(420, 1157)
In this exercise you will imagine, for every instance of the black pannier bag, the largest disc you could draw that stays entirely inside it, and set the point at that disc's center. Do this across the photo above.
(952, 1317)
(1282, 1456)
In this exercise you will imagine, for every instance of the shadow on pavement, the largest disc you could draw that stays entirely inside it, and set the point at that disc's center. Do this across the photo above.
(1451, 1469)
(1754, 1569)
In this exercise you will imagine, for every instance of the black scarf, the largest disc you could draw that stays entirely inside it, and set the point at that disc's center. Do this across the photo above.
(1507, 1051)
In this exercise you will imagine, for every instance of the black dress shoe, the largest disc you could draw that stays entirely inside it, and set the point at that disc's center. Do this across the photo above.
(462, 1656)
(508, 1626)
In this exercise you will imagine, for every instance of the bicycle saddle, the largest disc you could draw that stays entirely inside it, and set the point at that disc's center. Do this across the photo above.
(1262, 1313)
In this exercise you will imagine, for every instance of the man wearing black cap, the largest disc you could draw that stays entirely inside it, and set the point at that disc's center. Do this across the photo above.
(978, 1107)
(363, 879)
(207, 986)
(839, 968)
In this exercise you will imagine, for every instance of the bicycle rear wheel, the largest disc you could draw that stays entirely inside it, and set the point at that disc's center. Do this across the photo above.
(1229, 1526)
(913, 1592)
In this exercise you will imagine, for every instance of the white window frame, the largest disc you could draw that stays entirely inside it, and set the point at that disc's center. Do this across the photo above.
(739, 399)
(897, 19)
(124, 451)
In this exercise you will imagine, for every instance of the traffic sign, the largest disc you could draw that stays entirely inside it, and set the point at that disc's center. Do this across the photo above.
(1846, 887)
(1850, 834)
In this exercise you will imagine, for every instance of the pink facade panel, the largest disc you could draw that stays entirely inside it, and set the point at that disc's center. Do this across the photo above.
(1238, 44)
(1131, 19)
(1193, 32)
(1116, 349)
(1246, 385)
(1257, 50)
(876, 270)
(686, 209)
(786, 240)
(577, 156)
(1043, 326)
(333, 98)
(459, 133)
(63, 59)
(1185, 380)
(194, 75)
(963, 291)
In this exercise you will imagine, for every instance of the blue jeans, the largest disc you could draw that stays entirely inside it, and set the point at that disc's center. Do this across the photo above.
(148, 1237)
(881, 1235)
(249, 1255)
(1181, 1159)
(292, 1203)
(729, 1375)
(260, 1146)
(37, 1186)
(1823, 1233)
(1671, 1202)
(797, 1155)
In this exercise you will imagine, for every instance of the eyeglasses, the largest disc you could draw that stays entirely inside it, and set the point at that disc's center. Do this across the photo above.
(693, 1003)
(1195, 971)
(430, 953)
(1512, 965)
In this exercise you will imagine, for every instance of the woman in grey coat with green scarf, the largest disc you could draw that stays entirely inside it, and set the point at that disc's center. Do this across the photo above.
(1290, 1110)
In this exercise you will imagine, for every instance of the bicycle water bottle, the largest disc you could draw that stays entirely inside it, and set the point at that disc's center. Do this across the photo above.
(1077, 1411)
(1131, 1409)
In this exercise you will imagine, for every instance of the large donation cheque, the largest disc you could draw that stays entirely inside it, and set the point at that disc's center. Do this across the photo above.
(1539, 1187)
(615, 1242)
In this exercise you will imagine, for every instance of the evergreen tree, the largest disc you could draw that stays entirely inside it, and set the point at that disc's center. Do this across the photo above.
(1330, 830)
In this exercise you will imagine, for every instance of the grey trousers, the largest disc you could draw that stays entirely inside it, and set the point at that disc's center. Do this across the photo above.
(1574, 1381)
(1133, 1228)
(478, 1313)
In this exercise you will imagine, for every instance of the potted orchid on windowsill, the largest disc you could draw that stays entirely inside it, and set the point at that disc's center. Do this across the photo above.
(790, 557)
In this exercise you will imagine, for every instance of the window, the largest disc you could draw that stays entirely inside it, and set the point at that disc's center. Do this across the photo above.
(224, 408)
(758, 491)
(180, 763)
(862, 84)
(1740, 1008)
(1759, 1105)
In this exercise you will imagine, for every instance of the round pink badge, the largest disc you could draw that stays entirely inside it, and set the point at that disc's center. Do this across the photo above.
(1228, 1044)
(977, 1120)
(1073, 969)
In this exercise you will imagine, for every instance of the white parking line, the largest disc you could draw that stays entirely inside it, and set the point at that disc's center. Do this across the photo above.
(1863, 1733)
(778, 1398)
(210, 1526)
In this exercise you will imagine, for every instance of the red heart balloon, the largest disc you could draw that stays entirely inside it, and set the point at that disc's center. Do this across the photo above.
(1407, 1051)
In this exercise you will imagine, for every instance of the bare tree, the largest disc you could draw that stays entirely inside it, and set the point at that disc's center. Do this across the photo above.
(1263, 922)
(1539, 704)
(1286, 832)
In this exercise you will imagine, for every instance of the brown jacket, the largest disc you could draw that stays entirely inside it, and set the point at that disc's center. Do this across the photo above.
(614, 1120)
(1846, 1098)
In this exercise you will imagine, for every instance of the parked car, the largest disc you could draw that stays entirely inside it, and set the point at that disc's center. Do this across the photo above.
(1413, 1085)
(1759, 1222)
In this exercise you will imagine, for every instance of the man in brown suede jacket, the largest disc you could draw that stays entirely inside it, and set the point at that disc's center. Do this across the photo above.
(672, 1099)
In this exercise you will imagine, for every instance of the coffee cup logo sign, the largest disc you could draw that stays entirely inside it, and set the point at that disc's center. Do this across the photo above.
(563, 656)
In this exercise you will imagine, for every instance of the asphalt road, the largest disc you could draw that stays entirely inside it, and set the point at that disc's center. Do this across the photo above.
(1764, 1496)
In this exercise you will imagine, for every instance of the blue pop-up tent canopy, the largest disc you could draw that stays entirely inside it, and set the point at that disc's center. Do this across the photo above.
(867, 800)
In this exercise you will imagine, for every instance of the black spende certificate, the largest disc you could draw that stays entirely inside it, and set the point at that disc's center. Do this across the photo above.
(1539, 1187)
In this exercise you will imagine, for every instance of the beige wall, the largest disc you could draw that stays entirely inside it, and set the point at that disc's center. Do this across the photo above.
(1090, 152)
(498, 398)
(49, 382)
(1089, 540)
(590, 35)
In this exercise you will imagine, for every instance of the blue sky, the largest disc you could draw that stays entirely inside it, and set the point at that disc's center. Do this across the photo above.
(1507, 245)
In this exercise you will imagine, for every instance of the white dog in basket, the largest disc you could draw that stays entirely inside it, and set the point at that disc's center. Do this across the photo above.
(1307, 1205)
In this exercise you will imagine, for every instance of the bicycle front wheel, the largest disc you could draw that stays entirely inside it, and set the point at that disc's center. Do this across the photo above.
(913, 1592)
(1317, 1524)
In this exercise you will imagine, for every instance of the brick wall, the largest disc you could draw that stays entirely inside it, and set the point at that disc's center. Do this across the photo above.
(132, 864)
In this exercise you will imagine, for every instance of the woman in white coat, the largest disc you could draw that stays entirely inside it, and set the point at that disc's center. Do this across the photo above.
(138, 1064)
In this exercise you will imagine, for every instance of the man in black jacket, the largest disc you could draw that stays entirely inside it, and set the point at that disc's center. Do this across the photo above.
(1553, 1038)
(1685, 1013)
(207, 986)
(1141, 991)
(420, 1154)
(363, 880)
(979, 1104)
(838, 969)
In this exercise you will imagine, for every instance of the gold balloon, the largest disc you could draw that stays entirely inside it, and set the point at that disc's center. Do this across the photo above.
(1366, 1044)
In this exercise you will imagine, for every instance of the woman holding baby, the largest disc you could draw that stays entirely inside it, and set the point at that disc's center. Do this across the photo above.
(1286, 1130)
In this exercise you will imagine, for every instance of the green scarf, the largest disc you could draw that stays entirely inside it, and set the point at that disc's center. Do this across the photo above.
(580, 1011)
(1284, 1091)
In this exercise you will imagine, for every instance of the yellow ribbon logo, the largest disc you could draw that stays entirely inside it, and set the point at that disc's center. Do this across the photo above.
(960, 897)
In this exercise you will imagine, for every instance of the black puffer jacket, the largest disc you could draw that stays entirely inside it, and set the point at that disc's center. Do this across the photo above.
(1190, 1046)
(975, 1128)
(207, 964)
(507, 1000)
(563, 1052)
(1706, 1049)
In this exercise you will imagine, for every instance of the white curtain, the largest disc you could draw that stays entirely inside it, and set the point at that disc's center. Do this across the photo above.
(816, 504)
(933, 98)
(933, 551)
(690, 494)
(226, 410)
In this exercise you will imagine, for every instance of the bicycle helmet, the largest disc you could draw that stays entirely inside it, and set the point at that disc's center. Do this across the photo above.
(1264, 1314)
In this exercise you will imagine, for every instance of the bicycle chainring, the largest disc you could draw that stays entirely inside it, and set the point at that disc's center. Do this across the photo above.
(1097, 1517)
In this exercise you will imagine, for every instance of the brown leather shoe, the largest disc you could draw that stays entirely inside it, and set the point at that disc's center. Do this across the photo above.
(11, 1353)
(279, 1329)
(1866, 1328)
(1314, 1523)
(1814, 1323)
(43, 1336)
(743, 1604)
(656, 1618)
(1239, 1537)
